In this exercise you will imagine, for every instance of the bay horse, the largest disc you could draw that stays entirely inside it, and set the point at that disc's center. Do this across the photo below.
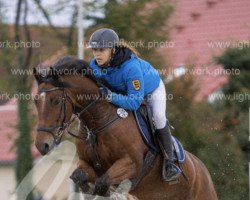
(116, 151)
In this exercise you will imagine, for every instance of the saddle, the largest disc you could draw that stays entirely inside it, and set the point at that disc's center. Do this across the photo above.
(145, 122)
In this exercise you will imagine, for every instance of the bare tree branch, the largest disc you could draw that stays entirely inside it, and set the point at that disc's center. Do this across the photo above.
(72, 27)
(47, 17)
(17, 20)
(27, 35)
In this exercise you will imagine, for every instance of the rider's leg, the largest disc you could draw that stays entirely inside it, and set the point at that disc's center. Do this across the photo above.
(157, 102)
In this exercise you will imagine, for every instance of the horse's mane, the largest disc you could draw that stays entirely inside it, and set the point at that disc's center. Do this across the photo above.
(70, 65)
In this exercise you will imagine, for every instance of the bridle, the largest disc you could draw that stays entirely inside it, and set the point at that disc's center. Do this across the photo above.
(91, 134)
(65, 125)
(148, 161)
(60, 128)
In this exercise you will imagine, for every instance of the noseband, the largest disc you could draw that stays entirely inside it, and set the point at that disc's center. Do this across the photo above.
(64, 125)
(91, 134)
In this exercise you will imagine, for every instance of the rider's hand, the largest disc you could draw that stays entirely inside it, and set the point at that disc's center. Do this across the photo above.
(105, 93)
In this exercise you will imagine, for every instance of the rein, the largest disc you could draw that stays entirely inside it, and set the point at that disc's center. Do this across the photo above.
(60, 128)
(91, 134)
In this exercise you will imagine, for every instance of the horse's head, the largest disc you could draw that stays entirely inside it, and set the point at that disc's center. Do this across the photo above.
(55, 102)
(54, 110)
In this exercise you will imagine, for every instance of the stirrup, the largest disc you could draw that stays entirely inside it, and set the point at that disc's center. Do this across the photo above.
(170, 171)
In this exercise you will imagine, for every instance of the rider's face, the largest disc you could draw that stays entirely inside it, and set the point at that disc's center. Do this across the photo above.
(102, 55)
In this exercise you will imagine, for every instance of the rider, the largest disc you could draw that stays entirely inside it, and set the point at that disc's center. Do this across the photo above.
(132, 79)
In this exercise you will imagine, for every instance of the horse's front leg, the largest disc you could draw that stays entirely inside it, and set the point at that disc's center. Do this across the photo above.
(121, 170)
(82, 175)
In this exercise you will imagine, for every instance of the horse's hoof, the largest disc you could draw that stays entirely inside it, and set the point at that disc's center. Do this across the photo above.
(80, 179)
(101, 186)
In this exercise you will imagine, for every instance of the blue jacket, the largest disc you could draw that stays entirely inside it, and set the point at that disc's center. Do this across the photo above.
(132, 80)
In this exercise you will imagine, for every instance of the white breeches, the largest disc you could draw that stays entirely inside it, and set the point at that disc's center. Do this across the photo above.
(157, 102)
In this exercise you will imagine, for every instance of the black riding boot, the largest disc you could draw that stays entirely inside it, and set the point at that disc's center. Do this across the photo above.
(170, 171)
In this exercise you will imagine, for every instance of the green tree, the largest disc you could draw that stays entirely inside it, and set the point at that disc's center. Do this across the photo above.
(226, 148)
(200, 126)
(22, 83)
(5, 54)
(182, 112)
(141, 23)
(239, 92)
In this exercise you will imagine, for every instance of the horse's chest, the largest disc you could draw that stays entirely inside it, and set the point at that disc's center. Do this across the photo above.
(105, 153)
(100, 153)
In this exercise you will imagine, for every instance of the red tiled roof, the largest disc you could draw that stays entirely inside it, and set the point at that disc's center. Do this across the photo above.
(225, 20)
(8, 122)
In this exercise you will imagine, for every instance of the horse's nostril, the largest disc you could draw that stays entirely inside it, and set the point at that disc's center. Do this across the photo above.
(46, 147)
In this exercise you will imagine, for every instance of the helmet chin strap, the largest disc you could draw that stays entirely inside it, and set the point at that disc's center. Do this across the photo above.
(107, 64)
(113, 51)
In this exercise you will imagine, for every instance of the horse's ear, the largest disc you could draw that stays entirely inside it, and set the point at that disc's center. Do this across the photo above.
(37, 76)
(53, 73)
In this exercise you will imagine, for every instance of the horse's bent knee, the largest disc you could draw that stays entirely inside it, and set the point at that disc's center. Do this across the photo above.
(101, 186)
(80, 178)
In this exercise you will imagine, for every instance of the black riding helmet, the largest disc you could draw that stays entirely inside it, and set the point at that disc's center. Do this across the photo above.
(103, 38)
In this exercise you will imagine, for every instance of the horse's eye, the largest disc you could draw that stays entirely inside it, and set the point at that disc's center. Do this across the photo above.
(56, 101)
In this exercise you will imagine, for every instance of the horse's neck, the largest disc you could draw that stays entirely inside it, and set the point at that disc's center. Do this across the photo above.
(98, 115)
(100, 112)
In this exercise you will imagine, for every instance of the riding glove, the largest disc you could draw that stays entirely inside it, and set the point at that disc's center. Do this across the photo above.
(105, 93)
